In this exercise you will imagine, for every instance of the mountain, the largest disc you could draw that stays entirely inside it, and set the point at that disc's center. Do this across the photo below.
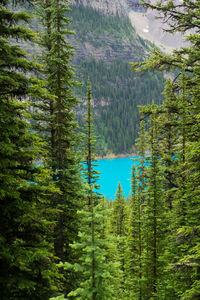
(107, 43)
(150, 27)
(143, 20)
(108, 7)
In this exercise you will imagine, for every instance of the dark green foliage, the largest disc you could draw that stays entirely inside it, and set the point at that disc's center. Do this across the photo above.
(118, 212)
(135, 243)
(95, 271)
(135, 237)
(89, 142)
(168, 123)
(106, 46)
(90, 24)
(27, 267)
(154, 226)
(180, 135)
(118, 220)
(26, 258)
(116, 113)
(57, 125)
(144, 248)
(118, 44)
(132, 251)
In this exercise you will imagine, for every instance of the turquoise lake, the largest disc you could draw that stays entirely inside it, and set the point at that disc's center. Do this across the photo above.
(114, 171)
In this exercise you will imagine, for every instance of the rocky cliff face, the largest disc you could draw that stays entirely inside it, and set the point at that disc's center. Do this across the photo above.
(110, 7)
(143, 21)
(135, 5)
(104, 34)
(149, 27)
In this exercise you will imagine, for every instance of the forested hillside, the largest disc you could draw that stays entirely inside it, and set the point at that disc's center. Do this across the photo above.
(106, 45)
(117, 93)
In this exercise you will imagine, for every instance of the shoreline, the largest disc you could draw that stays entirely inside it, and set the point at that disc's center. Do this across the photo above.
(113, 156)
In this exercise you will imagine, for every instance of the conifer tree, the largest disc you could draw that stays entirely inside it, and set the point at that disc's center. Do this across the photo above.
(190, 232)
(119, 212)
(139, 206)
(27, 267)
(95, 271)
(154, 216)
(133, 243)
(118, 224)
(181, 239)
(169, 134)
(57, 124)
(184, 247)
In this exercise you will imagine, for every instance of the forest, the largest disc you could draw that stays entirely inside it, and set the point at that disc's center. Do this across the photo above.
(116, 105)
(116, 44)
(59, 237)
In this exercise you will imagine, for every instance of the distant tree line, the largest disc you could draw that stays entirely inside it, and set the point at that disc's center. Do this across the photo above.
(117, 92)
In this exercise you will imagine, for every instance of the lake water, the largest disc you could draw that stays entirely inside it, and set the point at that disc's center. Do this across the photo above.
(114, 171)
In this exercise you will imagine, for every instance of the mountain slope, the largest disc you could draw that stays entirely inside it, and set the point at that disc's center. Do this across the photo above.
(144, 21)
(151, 28)
(108, 7)
(107, 43)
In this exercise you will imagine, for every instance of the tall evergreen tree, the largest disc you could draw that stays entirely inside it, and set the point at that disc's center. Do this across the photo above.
(94, 269)
(139, 206)
(119, 212)
(169, 134)
(27, 267)
(154, 216)
(58, 126)
(183, 17)
(181, 238)
(133, 266)
(118, 221)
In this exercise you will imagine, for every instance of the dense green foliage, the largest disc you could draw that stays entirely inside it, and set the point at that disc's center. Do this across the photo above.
(106, 45)
(93, 267)
(60, 239)
(57, 125)
(27, 263)
(178, 136)
(117, 93)
(90, 25)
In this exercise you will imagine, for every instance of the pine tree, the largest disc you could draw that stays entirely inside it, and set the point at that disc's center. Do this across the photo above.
(140, 204)
(154, 216)
(133, 243)
(185, 240)
(118, 221)
(58, 126)
(94, 269)
(119, 212)
(169, 135)
(182, 238)
(27, 267)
